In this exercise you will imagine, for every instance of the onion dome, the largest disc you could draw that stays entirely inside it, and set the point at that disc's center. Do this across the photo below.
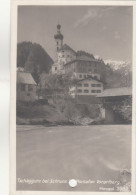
(58, 35)
(58, 26)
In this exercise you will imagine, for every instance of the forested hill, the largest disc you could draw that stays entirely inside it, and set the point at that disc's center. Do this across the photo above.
(33, 58)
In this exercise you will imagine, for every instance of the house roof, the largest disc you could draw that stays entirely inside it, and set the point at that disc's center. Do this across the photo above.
(25, 77)
(124, 91)
(66, 47)
(90, 78)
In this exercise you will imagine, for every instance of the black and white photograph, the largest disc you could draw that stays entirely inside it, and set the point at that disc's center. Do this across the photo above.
(74, 72)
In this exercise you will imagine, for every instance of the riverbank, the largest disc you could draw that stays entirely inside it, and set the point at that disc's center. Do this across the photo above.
(65, 113)
(53, 115)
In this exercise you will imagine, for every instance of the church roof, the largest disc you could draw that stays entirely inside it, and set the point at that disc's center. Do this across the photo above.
(66, 47)
(124, 91)
(80, 58)
(25, 78)
(58, 35)
(85, 58)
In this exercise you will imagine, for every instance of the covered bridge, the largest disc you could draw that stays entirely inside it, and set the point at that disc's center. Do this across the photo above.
(113, 100)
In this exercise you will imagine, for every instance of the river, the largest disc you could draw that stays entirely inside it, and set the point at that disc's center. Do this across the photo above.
(93, 155)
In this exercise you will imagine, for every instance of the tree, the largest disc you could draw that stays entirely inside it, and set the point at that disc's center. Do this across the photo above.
(33, 58)
(56, 84)
(23, 50)
(126, 109)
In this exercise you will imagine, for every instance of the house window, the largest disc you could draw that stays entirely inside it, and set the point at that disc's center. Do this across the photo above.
(57, 42)
(94, 91)
(98, 85)
(55, 68)
(80, 76)
(79, 84)
(79, 91)
(63, 56)
(86, 91)
(98, 91)
(22, 87)
(73, 91)
(86, 85)
(30, 88)
(68, 56)
(90, 70)
(84, 76)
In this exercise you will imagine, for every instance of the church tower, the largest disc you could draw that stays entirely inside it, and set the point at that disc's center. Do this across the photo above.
(58, 38)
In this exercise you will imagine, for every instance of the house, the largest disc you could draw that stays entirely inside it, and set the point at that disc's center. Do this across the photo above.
(26, 87)
(86, 90)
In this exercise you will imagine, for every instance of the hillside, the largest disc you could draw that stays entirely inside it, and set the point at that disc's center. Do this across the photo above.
(33, 58)
(62, 112)
(39, 114)
(116, 65)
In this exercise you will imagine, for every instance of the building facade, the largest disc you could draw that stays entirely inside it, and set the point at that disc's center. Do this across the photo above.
(72, 63)
(82, 68)
(89, 86)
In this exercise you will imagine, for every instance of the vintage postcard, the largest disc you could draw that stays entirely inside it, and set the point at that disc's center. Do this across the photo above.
(73, 88)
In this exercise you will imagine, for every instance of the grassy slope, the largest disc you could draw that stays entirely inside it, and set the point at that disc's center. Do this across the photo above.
(37, 113)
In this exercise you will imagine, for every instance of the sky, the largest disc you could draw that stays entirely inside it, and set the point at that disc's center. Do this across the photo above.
(104, 31)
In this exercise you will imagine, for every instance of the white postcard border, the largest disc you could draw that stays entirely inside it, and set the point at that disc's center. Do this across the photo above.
(14, 4)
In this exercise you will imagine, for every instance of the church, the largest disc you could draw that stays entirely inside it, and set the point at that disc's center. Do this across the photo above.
(80, 65)
(77, 64)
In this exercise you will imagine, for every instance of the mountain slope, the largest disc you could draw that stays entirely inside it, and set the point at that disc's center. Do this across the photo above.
(118, 73)
(33, 58)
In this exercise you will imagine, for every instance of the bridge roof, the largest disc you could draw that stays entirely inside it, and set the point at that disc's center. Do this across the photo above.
(124, 91)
